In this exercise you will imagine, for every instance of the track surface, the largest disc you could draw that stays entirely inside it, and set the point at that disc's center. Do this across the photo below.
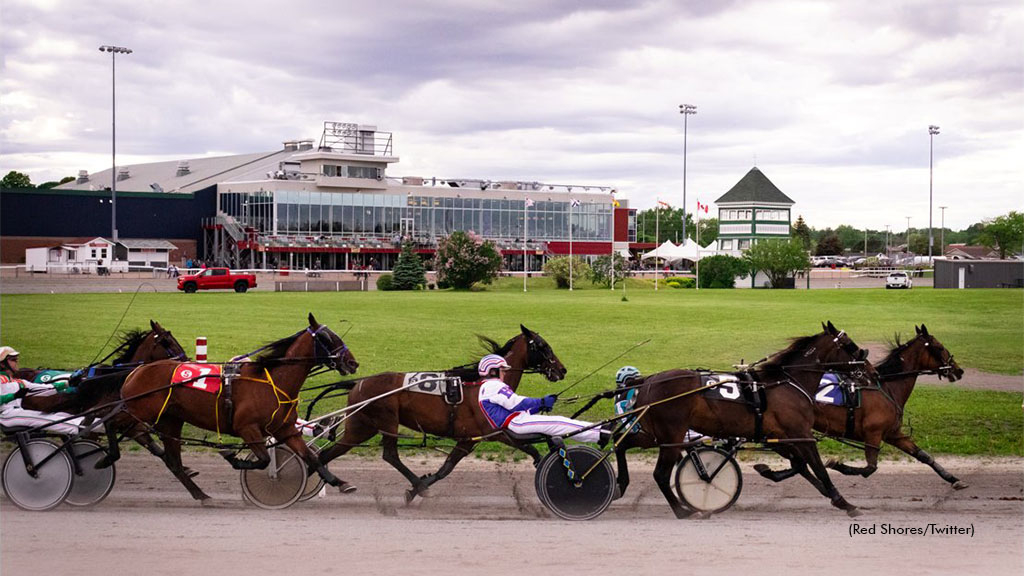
(485, 518)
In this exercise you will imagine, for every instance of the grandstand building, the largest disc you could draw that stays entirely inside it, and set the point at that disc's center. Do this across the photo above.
(333, 205)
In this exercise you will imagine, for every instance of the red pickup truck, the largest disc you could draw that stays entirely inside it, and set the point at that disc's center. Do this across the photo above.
(216, 279)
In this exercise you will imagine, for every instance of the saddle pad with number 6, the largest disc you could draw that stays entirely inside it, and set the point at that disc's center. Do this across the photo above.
(436, 383)
(205, 377)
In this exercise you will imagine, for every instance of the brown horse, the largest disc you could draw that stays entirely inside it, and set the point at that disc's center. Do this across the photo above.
(430, 414)
(789, 379)
(264, 397)
(99, 384)
(880, 415)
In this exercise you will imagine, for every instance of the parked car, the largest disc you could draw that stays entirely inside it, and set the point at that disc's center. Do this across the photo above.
(216, 279)
(898, 279)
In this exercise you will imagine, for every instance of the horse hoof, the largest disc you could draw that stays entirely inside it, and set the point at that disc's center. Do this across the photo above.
(960, 485)
(762, 469)
(207, 502)
(618, 492)
(832, 463)
(346, 488)
(410, 495)
(854, 512)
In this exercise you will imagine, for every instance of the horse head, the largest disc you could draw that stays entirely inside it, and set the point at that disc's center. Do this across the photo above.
(927, 353)
(158, 345)
(540, 356)
(330, 349)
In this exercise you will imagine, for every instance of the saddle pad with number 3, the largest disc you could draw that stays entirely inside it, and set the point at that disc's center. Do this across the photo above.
(205, 377)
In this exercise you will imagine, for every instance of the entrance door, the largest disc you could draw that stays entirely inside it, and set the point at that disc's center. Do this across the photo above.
(407, 227)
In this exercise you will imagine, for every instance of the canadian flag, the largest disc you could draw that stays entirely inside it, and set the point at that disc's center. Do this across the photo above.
(665, 204)
(703, 207)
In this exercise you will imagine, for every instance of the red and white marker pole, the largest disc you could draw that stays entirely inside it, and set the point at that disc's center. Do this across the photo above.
(201, 349)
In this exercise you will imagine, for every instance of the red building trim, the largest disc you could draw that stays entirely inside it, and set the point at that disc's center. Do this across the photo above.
(582, 248)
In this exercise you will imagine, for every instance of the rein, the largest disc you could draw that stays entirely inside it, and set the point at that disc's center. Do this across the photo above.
(601, 367)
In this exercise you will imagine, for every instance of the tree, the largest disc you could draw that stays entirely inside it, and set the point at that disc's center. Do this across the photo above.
(16, 179)
(463, 260)
(802, 232)
(919, 243)
(777, 259)
(829, 245)
(721, 271)
(408, 272)
(54, 183)
(667, 221)
(601, 271)
(708, 231)
(558, 268)
(1005, 233)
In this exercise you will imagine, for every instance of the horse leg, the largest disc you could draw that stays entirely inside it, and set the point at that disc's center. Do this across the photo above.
(113, 450)
(170, 432)
(870, 456)
(313, 464)
(389, 441)
(907, 445)
(622, 476)
(461, 450)
(256, 442)
(667, 458)
(776, 475)
(809, 454)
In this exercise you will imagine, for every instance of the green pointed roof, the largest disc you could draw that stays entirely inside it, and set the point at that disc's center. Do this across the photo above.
(755, 187)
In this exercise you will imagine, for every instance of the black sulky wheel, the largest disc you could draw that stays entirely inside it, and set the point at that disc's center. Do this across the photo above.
(585, 496)
(708, 479)
(280, 484)
(92, 486)
(51, 483)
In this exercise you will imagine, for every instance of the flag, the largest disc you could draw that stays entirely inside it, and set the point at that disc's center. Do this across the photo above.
(529, 202)
(615, 202)
(575, 203)
(665, 204)
(703, 207)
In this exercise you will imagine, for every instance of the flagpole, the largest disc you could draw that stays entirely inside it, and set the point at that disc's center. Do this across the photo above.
(570, 244)
(697, 263)
(657, 244)
(526, 224)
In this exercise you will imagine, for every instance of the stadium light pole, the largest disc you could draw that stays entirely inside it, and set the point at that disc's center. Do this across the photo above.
(932, 131)
(887, 228)
(942, 232)
(908, 233)
(114, 51)
(685, 110)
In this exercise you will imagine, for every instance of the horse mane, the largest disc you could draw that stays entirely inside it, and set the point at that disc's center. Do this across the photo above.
(467, 372)
(130, 342)
(892, 363)
(781, 359)
(272, 353)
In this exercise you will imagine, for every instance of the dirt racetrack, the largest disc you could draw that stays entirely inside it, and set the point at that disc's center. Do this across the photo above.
(486, 519)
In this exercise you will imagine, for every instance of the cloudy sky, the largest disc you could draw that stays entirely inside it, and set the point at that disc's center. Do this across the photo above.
(831, 100)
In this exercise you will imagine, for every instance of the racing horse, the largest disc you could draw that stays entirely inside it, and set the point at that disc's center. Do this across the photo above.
(262, 402)
(430, 414)
(880, 415)
(668, 407)
(100, 384)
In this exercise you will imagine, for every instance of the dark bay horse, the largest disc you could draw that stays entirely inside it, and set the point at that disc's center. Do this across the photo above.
(100, 384)
(264, 398)
(789, 379)
(429, 414)
(880, 415)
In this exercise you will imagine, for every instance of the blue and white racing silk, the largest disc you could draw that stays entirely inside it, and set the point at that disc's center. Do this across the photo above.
(625, 405)
(500, 404)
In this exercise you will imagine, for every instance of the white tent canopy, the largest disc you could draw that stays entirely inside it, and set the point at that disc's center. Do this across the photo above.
(669, 252)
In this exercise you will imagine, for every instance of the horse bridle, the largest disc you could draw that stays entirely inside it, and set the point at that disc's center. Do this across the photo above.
(547, 362)
(329, 357)
(164, 340)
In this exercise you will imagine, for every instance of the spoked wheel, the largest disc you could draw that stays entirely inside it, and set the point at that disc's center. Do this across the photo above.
(583, 497)
(93, 485)
(280, 484)
(708, 479)
(313, 483)
(51, 483)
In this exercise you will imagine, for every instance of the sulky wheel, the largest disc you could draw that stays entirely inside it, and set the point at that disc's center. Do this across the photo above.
(92, 486)
(585, 496)
(314, 483)
(708, 480)
(280, 484)
(50, 484)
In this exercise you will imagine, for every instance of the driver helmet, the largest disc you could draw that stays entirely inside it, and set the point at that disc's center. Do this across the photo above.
(623, 377)
(7, 352)
(490, 362)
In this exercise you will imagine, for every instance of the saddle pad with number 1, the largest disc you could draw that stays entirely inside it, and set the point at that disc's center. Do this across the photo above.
(205, 377)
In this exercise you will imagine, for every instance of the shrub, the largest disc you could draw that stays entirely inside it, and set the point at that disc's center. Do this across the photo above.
(721, 271)
(601, 271)
(681, 282)
(464, 259)
(408, 272)
(385, 282)
(558, 268)
(778, 259)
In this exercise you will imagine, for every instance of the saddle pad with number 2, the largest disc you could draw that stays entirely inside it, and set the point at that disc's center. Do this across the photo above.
(205, 377)
(835, 390)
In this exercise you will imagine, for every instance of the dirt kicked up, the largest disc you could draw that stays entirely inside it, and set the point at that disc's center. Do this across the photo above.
(485, 519)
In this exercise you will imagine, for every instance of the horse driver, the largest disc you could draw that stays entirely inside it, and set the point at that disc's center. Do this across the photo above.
(13, 389)
(506, 409)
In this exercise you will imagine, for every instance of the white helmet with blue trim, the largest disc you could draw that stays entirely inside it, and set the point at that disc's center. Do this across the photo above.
(490, 362)
(625, 374)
